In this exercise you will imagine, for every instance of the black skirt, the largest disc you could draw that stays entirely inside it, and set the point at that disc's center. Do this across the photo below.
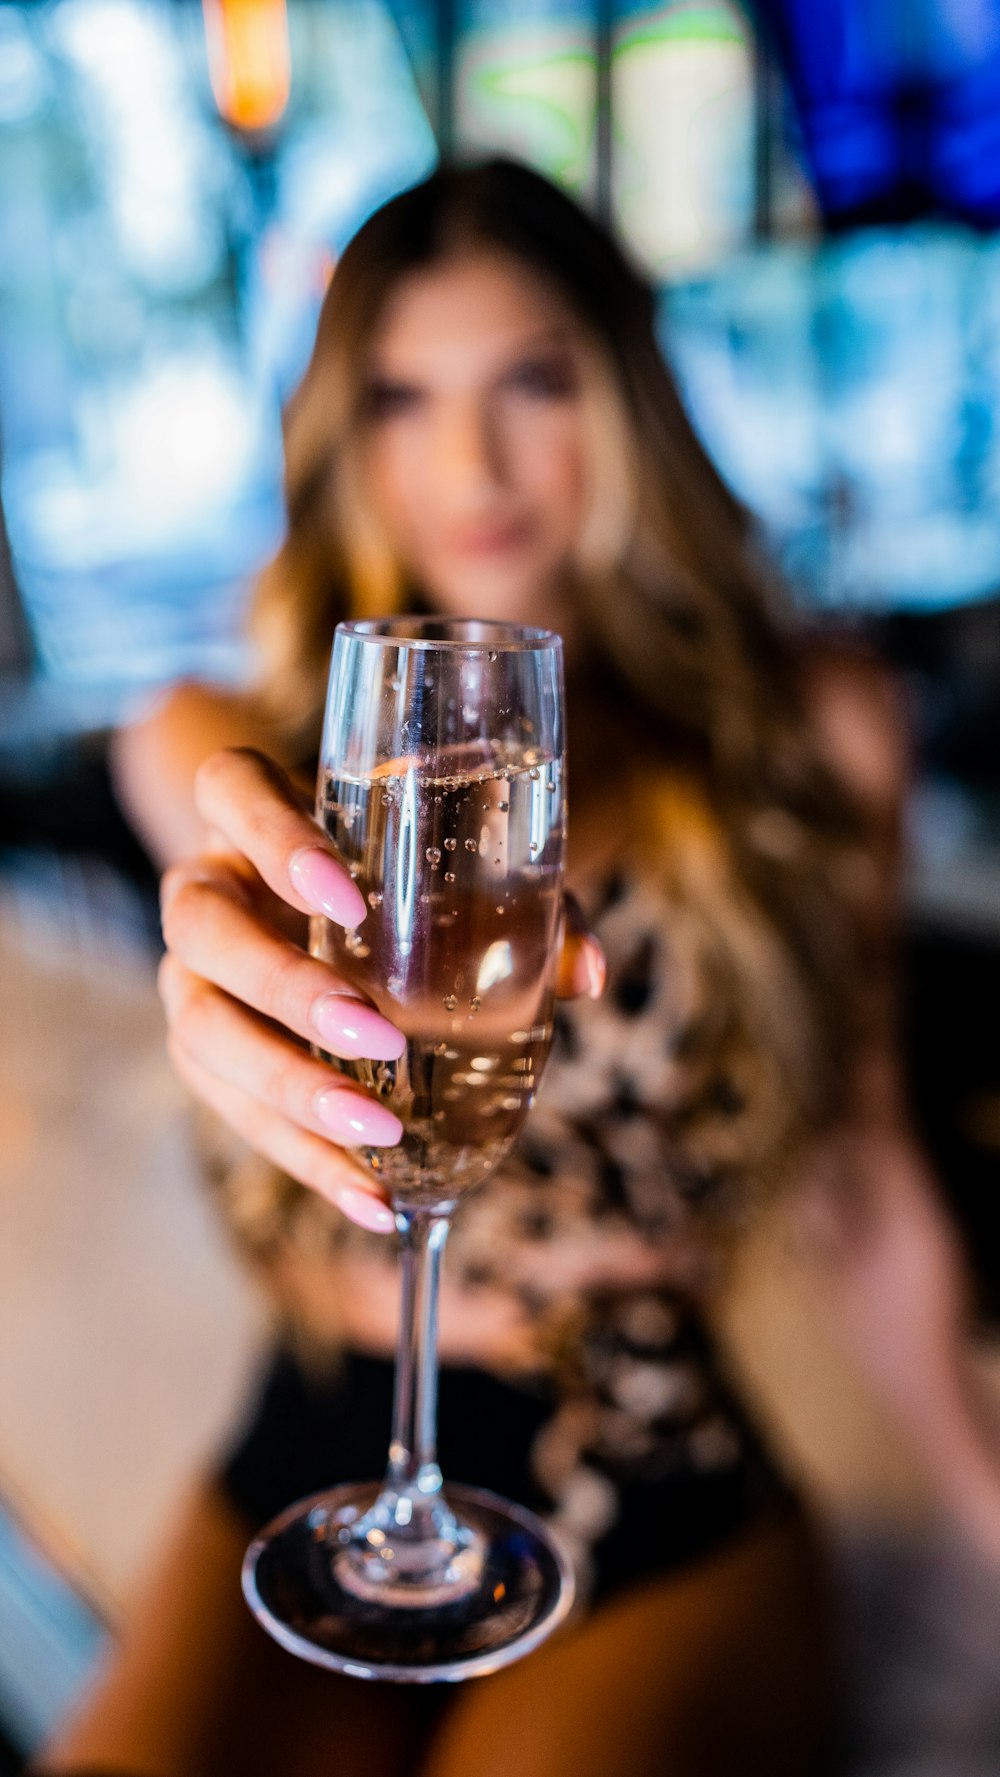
(303, 1435)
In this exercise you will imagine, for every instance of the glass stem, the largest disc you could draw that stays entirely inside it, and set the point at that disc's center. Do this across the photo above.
(414, 1477)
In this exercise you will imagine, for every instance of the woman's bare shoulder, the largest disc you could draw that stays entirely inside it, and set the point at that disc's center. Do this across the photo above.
(860, 712)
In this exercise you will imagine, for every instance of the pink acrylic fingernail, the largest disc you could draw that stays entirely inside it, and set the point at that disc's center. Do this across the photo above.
(595, 970)
(354, 1030)
(356, 1120)
(325, 885)
(367, 1211)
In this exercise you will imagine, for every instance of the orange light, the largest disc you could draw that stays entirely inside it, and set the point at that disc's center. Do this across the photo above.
(249, 60)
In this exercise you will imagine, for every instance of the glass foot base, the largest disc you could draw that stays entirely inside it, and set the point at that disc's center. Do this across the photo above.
(523, 1590)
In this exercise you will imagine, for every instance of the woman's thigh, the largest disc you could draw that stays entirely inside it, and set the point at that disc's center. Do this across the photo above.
(195, 1688)
(725, 1668)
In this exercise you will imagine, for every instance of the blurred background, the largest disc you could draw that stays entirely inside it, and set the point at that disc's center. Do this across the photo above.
(814, 186)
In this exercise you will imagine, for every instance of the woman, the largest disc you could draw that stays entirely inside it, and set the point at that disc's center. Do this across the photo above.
(487, 427)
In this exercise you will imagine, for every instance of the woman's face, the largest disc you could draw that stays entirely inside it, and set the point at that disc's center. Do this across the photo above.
(474, 447)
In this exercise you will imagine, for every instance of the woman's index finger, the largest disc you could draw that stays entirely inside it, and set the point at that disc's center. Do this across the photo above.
(252, 802)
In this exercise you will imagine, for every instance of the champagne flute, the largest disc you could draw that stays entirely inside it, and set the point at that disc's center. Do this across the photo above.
(442, 785)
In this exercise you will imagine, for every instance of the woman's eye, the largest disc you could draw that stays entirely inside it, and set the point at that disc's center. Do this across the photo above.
(384, 400)
(548, 378)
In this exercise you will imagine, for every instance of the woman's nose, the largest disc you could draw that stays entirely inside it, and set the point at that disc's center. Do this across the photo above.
(469, 450)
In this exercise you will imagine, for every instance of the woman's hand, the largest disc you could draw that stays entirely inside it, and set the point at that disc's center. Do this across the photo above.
(244, 998)
(887, 1269)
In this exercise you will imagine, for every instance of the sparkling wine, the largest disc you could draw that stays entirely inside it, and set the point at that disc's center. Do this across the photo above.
(461, 872)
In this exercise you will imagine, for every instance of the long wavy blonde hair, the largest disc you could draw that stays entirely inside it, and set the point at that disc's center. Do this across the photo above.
(756, 844)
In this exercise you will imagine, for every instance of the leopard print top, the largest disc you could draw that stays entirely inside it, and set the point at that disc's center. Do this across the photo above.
(640, 1391)
(598, 1222)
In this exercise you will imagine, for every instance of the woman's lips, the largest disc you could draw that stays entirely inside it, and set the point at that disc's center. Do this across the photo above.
(490, 539)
